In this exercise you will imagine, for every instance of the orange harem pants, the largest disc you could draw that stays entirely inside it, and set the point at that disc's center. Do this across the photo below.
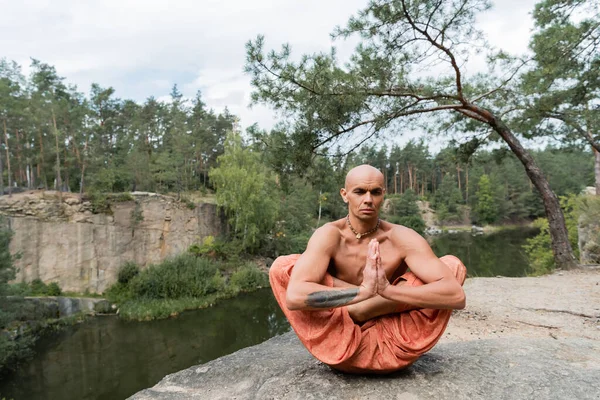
(381, 345)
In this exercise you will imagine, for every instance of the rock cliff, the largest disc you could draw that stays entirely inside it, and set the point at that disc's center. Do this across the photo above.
(65, 242)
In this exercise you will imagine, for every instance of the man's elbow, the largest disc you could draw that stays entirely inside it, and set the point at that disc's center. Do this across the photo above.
(293, 302)
(461, 300)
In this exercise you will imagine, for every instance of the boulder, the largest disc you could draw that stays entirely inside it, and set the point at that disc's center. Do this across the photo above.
(507, 368)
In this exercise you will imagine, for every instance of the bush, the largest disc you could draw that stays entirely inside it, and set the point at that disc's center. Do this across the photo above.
(52, 289)
(13, 352)
(539, 248)
(35, 288)
(249, 278)
(127, 272)
(414, 222)
(182, 276)
(216, 248)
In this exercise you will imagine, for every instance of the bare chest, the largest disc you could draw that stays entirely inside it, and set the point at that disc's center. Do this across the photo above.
(349, 262)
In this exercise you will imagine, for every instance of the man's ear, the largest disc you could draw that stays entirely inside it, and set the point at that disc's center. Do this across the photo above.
(343, 194)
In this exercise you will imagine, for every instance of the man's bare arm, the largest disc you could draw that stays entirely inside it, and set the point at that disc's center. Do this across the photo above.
(441, 289)
(306, 291)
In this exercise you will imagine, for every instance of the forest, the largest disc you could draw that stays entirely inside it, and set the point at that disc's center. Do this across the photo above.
(56, 137)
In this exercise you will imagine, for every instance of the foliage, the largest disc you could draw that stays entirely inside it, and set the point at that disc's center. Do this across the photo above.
(184, 282)
(589, 219)
(247, 192)
(414, 222)
(34, 288)
(538, 249)
(14, 352)
(249, 277)
(405, 211)
(127, 272)
(562, 86)
(216, 248)
(182, 276)
(485, 209)
(188, 203)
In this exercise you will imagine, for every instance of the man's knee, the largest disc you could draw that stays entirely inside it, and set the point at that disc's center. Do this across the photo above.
(456, 266)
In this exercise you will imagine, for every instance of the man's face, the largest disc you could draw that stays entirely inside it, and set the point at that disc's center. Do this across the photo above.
(364, 194)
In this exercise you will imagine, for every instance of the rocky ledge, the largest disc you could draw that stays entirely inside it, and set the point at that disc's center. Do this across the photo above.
(518, 338)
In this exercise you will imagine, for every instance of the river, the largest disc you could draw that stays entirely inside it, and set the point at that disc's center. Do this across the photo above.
(106, 358)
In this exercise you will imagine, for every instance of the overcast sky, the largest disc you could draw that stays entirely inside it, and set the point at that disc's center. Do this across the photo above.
(141, 48)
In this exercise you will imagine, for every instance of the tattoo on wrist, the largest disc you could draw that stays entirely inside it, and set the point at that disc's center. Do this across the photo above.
(331, 298)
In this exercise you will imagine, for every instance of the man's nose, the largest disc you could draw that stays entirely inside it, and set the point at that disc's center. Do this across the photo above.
(368, 198)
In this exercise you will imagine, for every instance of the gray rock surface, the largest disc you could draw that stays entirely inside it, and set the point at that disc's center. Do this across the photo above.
(518, 338)
(517, 368)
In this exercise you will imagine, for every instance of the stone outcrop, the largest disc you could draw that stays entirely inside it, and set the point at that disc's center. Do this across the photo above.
(60, 306)
(489, 369)
(65, 242)
(518, 338)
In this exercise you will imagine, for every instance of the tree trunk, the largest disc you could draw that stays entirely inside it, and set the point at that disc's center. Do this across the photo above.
(597, 170)
(402, 182)
(58, 181)
(28, 175)
(7, 161)
(467, 184)
(561, 247)
(319, 219)
(21, 172)
(41, 171)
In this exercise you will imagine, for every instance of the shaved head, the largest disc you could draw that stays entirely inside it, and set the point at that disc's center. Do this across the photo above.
(363, 172)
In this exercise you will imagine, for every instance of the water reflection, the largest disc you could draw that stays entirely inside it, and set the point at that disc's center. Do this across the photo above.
(107, 358)
(500, 253)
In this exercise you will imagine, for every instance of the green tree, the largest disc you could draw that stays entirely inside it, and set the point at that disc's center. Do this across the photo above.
(246, 190)
(563, 87)
(486, 207)
(378, 88)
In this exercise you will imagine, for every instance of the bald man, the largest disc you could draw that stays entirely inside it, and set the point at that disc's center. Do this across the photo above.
(349, 296)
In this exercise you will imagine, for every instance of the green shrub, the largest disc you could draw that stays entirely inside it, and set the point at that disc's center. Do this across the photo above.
(413, 222)
(249, 278)
(52, 289)
(118, 293)
(188, 203)
(14, 352)
(539, 248)
(99, 201)
(216, 248)
(121, 197)
(127, 272)
(182, 276)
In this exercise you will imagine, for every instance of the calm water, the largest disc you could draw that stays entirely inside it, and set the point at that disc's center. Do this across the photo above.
(488, 255)
(107, 358)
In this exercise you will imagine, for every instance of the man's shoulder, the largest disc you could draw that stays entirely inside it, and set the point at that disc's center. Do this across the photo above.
(401, 234)
(333, 228)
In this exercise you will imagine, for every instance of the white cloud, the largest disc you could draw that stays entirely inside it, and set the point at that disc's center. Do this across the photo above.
(143, 48)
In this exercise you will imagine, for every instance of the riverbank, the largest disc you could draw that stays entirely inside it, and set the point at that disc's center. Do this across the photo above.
(540, 334)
